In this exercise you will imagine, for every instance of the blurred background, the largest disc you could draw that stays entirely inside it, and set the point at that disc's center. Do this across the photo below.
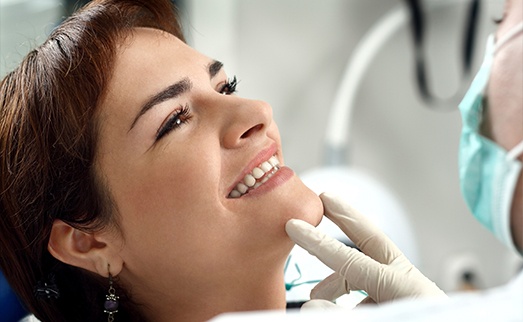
(293, 54)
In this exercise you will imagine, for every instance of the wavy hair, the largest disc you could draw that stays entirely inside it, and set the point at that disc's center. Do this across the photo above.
(48, 140)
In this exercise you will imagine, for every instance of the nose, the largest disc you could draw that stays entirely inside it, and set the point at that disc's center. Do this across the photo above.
(244, 120)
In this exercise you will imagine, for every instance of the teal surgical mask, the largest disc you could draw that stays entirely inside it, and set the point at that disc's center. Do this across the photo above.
(488, 173)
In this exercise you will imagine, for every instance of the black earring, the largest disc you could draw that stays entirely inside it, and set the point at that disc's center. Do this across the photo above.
(111, 300)
(46, 288)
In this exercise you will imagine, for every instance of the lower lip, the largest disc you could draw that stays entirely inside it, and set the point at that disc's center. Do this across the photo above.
(277, 179)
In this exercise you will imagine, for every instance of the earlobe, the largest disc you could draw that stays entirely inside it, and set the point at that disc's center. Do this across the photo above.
(91, 251)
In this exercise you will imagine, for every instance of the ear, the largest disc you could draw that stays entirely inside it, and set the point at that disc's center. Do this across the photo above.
(91, 251)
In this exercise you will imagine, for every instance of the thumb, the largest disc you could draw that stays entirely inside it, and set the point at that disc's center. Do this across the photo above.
(330, 288)
(321, 305)
(360, 271)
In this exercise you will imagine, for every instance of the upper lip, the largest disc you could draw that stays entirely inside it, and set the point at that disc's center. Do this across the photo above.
(261, 157)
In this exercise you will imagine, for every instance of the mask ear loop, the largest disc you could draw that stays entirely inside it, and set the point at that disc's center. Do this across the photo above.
(510, 34)
(515, 151)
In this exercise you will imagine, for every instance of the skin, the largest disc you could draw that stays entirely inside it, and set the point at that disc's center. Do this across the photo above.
(187, 251)
(504, 116)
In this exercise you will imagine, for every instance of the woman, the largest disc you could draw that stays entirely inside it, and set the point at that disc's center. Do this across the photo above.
(133, 179)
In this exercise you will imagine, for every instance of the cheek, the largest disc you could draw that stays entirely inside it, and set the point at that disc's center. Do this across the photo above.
(170, 211)
(163, 195)
(505, 96)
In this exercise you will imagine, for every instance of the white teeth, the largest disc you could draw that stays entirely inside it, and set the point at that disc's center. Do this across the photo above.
(235, 194)
(252, 180)
(249, 180)
(258, 173)
(242, 188)
(266, 166)
(274, 161)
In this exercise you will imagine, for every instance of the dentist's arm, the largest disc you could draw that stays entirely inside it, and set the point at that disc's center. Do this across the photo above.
(380, 269)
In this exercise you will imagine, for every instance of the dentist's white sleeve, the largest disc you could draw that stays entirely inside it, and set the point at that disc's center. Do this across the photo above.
(504, 304)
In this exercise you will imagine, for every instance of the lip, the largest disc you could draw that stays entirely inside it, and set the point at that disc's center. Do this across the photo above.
(262, 156)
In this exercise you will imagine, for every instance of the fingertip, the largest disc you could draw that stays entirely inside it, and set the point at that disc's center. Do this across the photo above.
(336, 207)
(332, 203)
(296, 224)
(327, 195)
(301, 232)
(290, 224)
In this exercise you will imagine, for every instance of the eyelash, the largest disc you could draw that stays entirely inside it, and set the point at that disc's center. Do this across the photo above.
(183, 115)
(230, 86)
(174, 122)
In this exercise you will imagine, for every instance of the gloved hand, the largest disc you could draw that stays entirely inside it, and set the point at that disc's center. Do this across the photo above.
(380, 269)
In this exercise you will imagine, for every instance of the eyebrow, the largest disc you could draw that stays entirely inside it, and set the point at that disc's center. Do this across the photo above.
(174, 90)
(214, 68)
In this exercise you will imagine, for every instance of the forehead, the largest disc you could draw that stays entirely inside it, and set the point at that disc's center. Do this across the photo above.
(148, 53)
(147, 61)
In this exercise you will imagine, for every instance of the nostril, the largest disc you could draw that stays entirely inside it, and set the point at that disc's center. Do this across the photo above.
(252, 130)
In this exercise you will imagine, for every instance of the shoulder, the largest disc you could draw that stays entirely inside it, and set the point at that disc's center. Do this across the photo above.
(29, 318)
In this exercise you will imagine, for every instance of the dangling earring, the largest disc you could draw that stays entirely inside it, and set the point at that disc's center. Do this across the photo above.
(111, 300)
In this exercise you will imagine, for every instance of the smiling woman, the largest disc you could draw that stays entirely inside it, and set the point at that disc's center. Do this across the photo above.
(134, 184)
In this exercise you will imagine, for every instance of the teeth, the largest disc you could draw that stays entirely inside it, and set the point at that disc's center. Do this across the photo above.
(258, 173)
(252, 180)
(235, 194)
(266, 166)
(249, 180)
(274, 161)
(242, 188)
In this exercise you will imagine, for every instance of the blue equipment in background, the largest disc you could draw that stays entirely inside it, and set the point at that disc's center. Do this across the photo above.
(10, 308)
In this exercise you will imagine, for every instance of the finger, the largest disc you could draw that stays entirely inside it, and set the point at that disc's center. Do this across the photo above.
(360, 271)
(365, 235)
(330, 288)
(316, 305)
(330, 251)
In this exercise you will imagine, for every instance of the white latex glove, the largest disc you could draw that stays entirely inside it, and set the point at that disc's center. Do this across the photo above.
(319, 305)
(380, 269)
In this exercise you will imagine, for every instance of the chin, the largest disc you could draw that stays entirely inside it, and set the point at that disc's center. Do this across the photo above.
(302, 203)
(313, 208)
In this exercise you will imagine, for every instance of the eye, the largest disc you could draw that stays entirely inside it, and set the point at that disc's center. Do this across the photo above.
(181, 116)
(229, 87)
(498, 21)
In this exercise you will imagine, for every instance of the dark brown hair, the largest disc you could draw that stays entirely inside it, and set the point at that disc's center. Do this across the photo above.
(48, 135)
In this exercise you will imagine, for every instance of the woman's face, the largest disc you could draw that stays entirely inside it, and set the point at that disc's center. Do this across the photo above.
(173, 145)
(505, 101)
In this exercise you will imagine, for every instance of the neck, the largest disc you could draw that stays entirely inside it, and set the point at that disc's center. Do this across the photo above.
(262, 289)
